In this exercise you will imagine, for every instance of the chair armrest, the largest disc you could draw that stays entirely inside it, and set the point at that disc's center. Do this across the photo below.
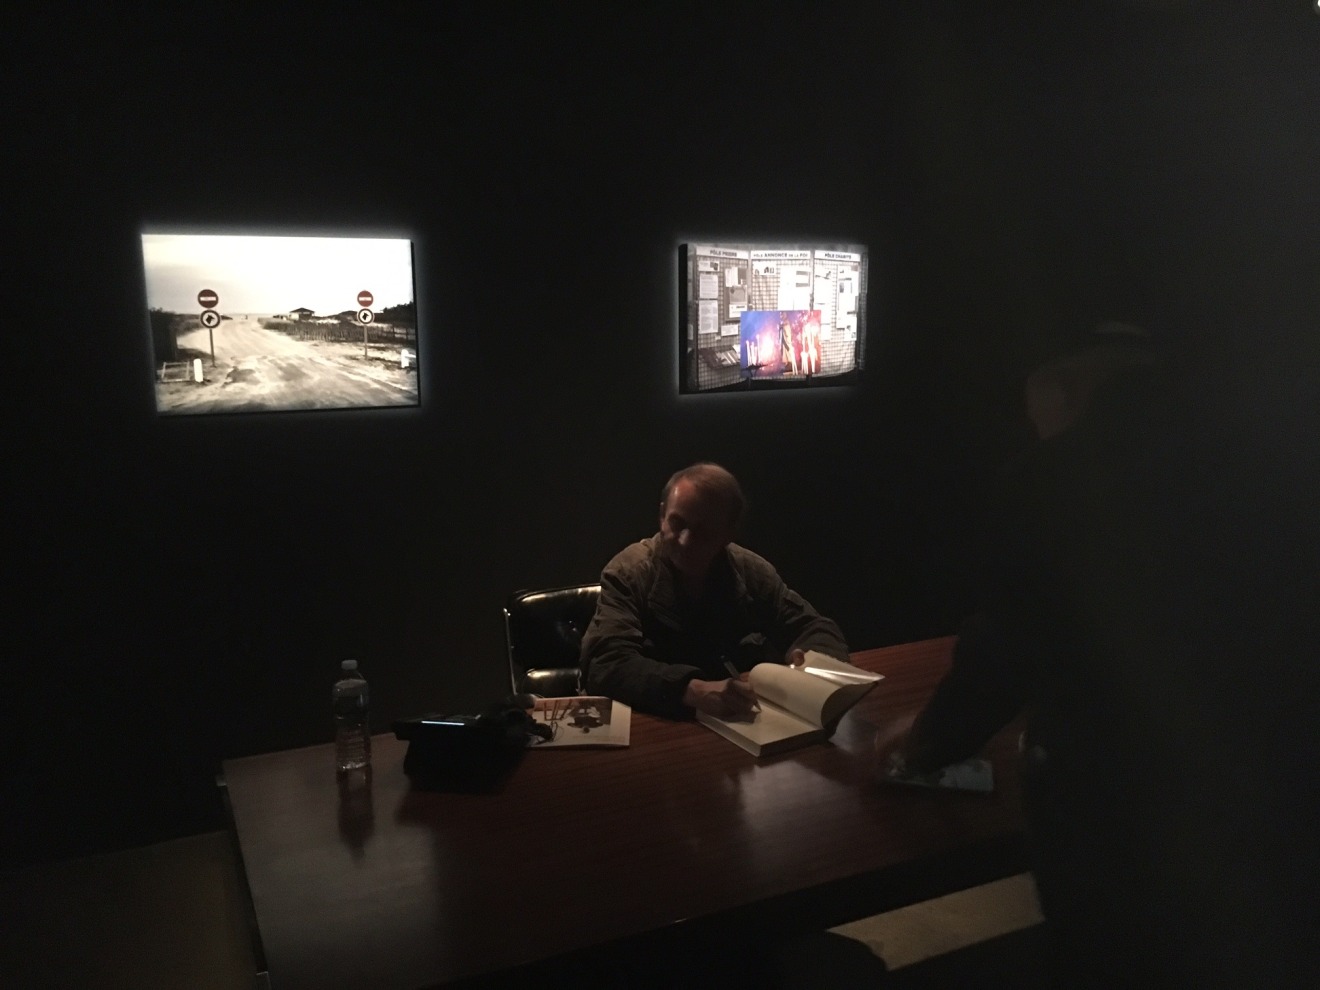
(552, 682)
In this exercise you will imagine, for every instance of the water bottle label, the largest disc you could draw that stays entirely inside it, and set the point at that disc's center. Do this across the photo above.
(350, 704)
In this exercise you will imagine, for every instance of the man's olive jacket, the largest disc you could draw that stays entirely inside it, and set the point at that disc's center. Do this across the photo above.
(645, 642)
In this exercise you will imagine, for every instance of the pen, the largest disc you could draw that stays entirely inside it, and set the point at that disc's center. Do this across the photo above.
(737, 676)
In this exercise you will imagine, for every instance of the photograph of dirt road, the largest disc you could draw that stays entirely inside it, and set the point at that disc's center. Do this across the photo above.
(264, 324)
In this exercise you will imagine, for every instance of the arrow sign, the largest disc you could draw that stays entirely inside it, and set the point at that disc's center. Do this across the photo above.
(365, 316)
(365, 298)
(207, 298)
(210, 319)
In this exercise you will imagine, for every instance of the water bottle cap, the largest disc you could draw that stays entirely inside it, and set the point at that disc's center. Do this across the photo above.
(349, 665)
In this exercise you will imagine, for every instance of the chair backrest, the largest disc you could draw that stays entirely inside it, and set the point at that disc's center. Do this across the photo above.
(543, 630)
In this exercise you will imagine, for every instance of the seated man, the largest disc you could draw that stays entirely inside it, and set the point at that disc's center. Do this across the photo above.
(679, 607)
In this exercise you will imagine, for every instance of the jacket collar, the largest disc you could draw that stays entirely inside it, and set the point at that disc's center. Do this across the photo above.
(662, 596)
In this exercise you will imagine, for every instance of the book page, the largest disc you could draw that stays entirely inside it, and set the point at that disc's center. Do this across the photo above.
(836, 671)
(819, 691)
(803, 695)
(768, 726)
(852, 683)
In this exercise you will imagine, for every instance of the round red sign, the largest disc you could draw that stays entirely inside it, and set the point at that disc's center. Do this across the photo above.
(207, 298)
(365, 298)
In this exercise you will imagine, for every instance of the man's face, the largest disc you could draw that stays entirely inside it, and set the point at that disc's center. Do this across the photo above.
(693, 529)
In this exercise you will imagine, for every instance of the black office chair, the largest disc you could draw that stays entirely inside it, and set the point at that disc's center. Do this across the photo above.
(543, 630)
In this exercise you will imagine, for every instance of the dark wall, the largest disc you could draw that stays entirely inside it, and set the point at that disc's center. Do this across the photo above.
(184, 588)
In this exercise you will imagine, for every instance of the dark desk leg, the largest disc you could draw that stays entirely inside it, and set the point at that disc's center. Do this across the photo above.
(261, 980)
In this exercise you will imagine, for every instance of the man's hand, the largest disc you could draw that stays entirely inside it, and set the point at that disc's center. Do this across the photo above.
(732, 698)
(797, 657)
(896, 743)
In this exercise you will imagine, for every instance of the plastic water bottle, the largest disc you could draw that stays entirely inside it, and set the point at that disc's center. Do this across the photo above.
(352, 734)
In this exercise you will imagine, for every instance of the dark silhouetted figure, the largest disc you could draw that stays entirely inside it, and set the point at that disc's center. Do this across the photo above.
(1150, 602)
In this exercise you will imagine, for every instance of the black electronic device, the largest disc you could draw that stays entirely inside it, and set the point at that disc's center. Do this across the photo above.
(465, 753)
(408, 729)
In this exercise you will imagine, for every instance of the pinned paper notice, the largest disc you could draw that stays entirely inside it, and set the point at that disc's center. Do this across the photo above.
(737, 302)
(794, 287)
(732, 276)
(709, 287)
(729, 330)
(847, 301)
(708, 316)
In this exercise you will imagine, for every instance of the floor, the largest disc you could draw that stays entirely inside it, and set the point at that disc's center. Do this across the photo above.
(172, 916)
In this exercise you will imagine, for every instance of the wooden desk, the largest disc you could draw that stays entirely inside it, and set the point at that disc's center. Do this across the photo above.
(681, 835)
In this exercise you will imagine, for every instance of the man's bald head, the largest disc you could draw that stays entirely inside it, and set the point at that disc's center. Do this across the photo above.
(715, 484)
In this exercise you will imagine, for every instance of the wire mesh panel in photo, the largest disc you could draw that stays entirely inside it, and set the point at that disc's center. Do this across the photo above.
(717, 289)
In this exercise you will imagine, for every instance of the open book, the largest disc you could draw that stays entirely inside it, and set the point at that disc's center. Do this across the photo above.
(799, 705)
(580, 721)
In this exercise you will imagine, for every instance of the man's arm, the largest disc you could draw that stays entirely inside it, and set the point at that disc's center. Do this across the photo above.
(1003, 646)
(985, 688)
(793, 624)
(613, 660)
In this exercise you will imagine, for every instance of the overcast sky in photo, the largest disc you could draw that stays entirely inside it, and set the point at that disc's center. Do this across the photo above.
(253, 274)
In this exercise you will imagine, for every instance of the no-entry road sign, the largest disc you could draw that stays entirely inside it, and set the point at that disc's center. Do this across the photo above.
(207, 298)
(365, 298)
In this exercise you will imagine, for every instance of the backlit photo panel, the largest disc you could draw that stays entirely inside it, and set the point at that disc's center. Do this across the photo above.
(250, 323)
(733, 293)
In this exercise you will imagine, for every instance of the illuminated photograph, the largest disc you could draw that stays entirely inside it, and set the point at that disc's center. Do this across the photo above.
(780, 343)
(243, 323)
(727, 344)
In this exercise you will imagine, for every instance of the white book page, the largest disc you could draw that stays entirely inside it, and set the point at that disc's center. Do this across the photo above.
(818, 692)
(769, 725)
(803, 695)
(836, 671)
